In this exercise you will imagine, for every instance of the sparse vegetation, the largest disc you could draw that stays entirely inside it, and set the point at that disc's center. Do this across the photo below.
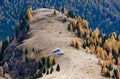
(58, 68)
(51, 70)
(45, 64)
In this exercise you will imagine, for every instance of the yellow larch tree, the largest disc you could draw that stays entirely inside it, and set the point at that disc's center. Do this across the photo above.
(118, 74)
(81, 31)
(104, 71)
(73, 42)
(118, 59)
(51, 60)
(85, 24)
(71, 27)
(65, 11)
(92, 47)
(32, 55)
(56, 12)
(43, 54)
(78, 46)
(29, 15)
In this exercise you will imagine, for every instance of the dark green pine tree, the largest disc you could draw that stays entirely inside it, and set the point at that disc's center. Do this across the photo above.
(51, 70)
(40, 66)
(43, 60)
(26, 59)
(33, 49)
(58, 68)
(39, 74)
(69, 27)
(44, 70)
(47, 72)
(48, 63)
(26, 51)
(28, 27)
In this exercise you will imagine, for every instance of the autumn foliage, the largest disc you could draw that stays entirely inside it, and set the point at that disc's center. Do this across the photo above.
(106, 47)
(29, 14)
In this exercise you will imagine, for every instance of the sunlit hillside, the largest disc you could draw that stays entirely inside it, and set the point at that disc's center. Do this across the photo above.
(104, 14)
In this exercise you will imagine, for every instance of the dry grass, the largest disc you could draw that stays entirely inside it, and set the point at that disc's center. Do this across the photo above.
(46, 36)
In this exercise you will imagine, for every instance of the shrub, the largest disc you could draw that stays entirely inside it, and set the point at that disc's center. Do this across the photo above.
(58, 68)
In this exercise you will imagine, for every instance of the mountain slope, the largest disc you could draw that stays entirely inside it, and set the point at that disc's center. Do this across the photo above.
(104, 14)
(48, 32)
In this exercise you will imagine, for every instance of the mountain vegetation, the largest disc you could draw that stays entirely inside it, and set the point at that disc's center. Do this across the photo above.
(102, 14)
(105, 46)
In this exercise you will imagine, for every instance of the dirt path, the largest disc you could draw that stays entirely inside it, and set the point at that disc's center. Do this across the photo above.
(47, 32)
